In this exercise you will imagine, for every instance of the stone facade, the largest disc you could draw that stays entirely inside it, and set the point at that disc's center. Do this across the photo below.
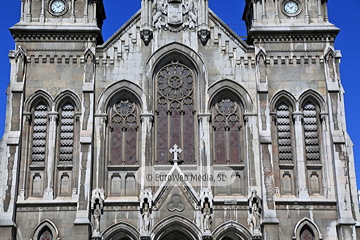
(175, 127)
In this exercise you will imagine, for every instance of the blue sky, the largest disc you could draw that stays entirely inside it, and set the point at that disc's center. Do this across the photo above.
(344, 14)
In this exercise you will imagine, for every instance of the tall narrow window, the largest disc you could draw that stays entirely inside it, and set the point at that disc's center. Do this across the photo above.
(67, 121)
(227, 132)
(283, 124)
(46, 235)
(39, 133)
(311, 132)
(124, 122)
(175, 112)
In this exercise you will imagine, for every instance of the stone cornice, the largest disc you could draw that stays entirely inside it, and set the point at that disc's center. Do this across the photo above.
(25, 33)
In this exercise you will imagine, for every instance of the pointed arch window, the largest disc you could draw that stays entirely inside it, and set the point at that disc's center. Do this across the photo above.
(124, 136)
(175, 112)
(67, 124)
(46, 234)
(312, 142)
(227, 134)
(40, 122)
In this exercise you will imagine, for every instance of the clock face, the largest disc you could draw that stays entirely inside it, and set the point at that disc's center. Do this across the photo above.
(291, 7)
(57, 6)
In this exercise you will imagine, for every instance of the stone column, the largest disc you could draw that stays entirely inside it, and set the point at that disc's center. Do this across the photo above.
(320, 16)
(42, 14)
(329, 188)
(50, 163)
(300, 157)
(204, 146)
(22, 10)
(145, 157)
(277, 19)
(307, 16)
(72, 14)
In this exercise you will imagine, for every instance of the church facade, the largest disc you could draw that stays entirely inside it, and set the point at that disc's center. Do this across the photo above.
(175, 127)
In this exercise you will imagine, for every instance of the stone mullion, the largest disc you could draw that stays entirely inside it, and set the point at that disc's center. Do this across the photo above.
(168, 113)
(123, 129)
(182, 114)
(51, 143)
(227, 143)
(300, 156)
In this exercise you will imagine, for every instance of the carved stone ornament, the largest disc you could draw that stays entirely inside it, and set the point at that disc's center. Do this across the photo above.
(255, 213)
(206, 199)
(204, 35)
(97, 207)
(145, 211)
(174, 15)
(176, 204)
(146, 35)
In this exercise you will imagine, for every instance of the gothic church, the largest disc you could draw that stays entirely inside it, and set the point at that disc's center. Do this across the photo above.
(258, 124)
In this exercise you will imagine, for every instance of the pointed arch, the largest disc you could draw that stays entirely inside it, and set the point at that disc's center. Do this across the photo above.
(282, 96)
(231, 227)
(233, 88)
(122, 86)
(261, 53)
(306, 223)
(329, 50)
(188, 57)
(46, 224)
(176, 223)
(120, 228)
(67, 95)
(312, 96)
(36, 97)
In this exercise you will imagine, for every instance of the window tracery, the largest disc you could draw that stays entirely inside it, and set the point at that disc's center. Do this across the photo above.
(46, 235)
(306, 234)
(227, 132)
(40, 127)
(175, 111)
(124, 124)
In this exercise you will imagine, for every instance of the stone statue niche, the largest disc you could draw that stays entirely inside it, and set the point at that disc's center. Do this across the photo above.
(97, 208)
(255, 213)
(207, 216)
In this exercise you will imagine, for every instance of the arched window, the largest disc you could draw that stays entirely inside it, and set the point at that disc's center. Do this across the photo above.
(40, 122)
(285, 147)
(312, 138)
(124, 125)
(45, 234)
(175, 106)
(227, 134)
(66, 128)
(306, 234)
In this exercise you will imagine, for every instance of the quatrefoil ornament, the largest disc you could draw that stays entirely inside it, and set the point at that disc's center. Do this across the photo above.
(176, 204)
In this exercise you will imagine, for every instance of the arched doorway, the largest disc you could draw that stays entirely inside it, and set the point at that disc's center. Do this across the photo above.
(176, 228)
(176, 235)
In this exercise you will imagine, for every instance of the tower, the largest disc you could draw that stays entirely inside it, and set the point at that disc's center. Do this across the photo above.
(175, 127)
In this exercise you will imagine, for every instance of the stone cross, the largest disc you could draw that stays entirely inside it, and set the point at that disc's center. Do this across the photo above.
(175, 150)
